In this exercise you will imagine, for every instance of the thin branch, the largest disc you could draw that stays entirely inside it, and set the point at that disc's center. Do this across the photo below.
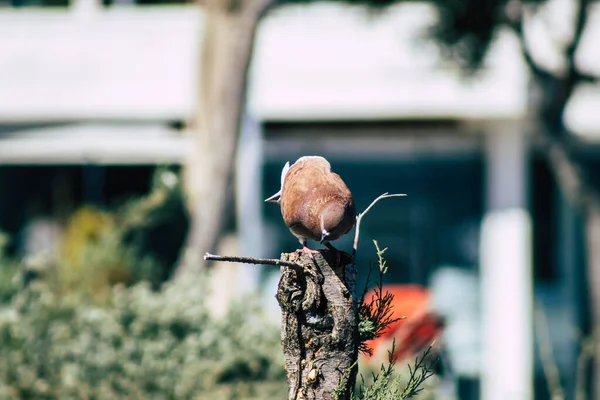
(251, 260)
(516, 21)
(581, 19)
(580, 22)
(583, 77)
(586, 354)
(573, 181)
(549, 365)
(360, 216)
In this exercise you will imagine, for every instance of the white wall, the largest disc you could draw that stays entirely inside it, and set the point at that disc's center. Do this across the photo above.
(322, 61)
(124, 63)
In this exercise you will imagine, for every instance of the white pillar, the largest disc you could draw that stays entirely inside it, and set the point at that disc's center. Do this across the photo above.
(506, 270)
(84, 10)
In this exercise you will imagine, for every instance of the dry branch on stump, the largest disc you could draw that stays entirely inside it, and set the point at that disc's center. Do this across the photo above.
(319, 332)
(319, 335)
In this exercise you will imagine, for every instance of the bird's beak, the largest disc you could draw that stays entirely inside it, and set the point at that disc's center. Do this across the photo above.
(324, 236)
(275, 198)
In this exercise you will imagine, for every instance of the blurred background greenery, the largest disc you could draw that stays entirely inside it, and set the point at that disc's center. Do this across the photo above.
(98, 321)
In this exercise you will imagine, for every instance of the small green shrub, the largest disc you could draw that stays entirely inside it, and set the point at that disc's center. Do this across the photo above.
(8, 271)
(93, 258)
(390, 382)
(150, 345)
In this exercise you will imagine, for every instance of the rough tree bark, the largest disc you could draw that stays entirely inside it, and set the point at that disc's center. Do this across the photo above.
(319, 332)
(556, 91)
(227, 44)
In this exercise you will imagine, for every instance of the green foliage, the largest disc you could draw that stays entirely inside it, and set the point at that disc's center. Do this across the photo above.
(466, 28)
(93, 258)
(92, 321)
(383, 385)
(419, 372)
(388, 384)
(8, 270)
(376, 315)
(157, 224)
(150, 345)
(132, 242)
(128, 243)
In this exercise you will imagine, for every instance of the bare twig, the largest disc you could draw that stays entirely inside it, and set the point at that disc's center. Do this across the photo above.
(583, 77)
(570, 176)
(586, 354)
(581, 20)
(580, 23)
(251, 260)
(360, 216)
(516, 20)
(547, 355)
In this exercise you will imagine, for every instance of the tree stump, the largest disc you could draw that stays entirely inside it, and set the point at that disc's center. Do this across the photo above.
(319, 332)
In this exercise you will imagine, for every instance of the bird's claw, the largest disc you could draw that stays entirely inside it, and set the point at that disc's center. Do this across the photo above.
(309, 251)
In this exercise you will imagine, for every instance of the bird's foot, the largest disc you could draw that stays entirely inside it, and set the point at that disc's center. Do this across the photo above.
(309, 251)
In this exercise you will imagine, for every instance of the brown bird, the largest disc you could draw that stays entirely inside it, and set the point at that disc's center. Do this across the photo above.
(315, 203)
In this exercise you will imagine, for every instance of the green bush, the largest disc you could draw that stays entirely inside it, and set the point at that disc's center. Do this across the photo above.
(93, 258)
(150, 345)
(80, 325)
(8, 270)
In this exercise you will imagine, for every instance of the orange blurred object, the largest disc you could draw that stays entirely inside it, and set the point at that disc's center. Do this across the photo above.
(412, 334)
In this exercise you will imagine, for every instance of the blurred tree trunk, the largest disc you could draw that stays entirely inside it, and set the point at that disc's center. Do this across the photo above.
(227, 44)
(574, 185)
(556, 91)
(593, 259)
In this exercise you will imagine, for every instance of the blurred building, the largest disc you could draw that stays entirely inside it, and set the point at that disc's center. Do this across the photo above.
(92, 100)
(93, 97)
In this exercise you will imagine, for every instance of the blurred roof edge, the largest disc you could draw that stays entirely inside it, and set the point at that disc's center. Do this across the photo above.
(115, 144)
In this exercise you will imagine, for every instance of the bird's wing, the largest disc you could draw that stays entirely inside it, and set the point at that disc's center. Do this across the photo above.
(340, 185)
